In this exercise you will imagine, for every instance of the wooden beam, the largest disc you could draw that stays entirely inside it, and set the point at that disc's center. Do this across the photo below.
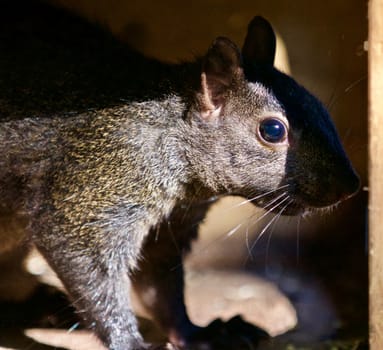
(375, 67)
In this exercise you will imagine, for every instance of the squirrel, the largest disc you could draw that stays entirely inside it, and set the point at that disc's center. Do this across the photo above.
(108, 166)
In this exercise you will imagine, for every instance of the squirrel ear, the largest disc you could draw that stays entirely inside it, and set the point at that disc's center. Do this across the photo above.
(220, 69)
(260, 43)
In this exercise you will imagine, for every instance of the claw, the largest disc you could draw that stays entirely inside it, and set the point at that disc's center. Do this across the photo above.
(167, 346)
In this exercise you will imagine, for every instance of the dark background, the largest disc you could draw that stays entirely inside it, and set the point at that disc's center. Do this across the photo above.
(324, 270)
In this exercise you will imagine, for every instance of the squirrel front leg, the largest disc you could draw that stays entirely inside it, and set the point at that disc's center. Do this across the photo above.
(95, 270)
(159, 278)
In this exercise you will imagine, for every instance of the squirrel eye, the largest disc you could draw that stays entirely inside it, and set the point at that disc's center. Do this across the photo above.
(272, 130)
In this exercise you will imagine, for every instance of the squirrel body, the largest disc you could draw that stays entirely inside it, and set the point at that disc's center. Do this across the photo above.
(105, 192)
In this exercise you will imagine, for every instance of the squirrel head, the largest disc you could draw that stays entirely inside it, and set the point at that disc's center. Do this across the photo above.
(259, 134)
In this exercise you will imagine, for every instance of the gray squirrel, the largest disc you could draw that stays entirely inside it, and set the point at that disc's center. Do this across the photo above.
(109, 166)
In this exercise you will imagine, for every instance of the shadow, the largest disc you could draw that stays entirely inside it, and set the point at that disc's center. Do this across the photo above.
(53, 62)
(46, 308)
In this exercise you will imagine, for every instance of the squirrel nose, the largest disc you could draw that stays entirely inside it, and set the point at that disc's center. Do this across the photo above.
(349, 185)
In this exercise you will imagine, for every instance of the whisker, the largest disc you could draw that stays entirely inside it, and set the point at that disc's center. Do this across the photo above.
(268, 192)
(221, 237)
(268, 245)
(234, 230)
(298, 239)
(272, 220)
(260, 235)
(257, 197)
(270, 210)
(331, 99)
(248, 243)
(353, 84)
(346, 91)
(264, 215)
(272, 231)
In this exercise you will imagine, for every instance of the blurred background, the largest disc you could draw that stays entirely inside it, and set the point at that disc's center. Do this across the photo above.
(318, 265)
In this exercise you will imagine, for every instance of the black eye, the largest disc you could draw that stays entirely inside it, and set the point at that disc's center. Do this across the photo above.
(272, 130)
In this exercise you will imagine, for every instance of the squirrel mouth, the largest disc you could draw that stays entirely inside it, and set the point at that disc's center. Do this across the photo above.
(288, 201)
(297, 207)
(293, 209)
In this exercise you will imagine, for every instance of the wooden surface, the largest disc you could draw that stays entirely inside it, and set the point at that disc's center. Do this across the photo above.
(375, 47)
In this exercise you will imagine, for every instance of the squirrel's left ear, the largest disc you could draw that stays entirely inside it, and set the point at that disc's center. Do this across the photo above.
(221, 68)
(260, 43)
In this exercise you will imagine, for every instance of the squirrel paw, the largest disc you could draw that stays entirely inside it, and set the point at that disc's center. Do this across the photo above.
(235, 334)
(167, 346)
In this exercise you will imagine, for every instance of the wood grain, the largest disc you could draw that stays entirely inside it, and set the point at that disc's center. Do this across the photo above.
(375, 62)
